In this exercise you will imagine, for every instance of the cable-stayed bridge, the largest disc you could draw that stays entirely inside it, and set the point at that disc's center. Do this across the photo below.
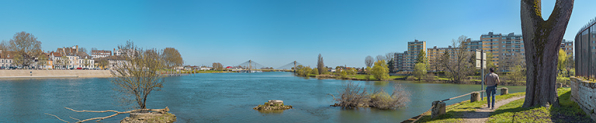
(252, 66)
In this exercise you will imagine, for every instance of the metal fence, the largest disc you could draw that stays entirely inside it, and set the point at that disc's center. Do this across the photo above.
(585, 42)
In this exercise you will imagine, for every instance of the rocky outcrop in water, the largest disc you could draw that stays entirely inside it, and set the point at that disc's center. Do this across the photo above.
(273, 105)
(152, 117)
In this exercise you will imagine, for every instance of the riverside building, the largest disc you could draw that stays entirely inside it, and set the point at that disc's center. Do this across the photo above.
(414, 48)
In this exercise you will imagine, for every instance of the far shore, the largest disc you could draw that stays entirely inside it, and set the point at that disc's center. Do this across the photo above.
(23, 74)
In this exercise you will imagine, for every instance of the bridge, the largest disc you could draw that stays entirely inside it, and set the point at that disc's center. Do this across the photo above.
(252, 66)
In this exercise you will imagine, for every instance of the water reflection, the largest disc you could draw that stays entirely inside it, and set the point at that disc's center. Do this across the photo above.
(227, 97)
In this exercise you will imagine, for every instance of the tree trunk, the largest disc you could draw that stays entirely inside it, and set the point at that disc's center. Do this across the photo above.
(542, 40)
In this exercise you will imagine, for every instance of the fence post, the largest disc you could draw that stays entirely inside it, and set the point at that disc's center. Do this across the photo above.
(437, 109)
(504, 91)
(475, 97)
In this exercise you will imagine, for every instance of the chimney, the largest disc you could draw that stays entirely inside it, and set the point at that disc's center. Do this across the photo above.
(77, 50)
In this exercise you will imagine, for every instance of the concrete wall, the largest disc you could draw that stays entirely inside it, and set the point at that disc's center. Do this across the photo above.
(584, 93)
(54, 73)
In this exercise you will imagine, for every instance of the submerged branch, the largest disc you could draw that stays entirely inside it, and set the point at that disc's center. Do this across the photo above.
(57, 117)
(163, 111)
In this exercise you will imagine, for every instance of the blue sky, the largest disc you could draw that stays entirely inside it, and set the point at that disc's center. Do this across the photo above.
(270, 32)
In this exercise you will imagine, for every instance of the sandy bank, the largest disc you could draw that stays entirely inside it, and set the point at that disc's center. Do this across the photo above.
(54, 74)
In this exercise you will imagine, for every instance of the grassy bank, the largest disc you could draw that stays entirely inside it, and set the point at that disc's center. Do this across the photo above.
(212, 71)
(513, 112)
(372, 78)
(454, 113)
(569, 111)
(358, 77)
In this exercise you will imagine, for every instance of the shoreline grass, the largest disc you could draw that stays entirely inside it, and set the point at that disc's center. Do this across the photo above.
(454, 112)
(568, 111)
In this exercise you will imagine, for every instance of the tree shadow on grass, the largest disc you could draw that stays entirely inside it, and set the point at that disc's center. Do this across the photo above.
(568, 111)
(517, 113)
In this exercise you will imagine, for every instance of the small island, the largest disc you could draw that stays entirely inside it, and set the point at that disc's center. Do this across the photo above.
(273, 105)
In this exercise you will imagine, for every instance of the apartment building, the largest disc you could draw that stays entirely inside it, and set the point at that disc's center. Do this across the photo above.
(567, 46)
(503, 48)
(399, 61)
(434, 57)
(414, 49)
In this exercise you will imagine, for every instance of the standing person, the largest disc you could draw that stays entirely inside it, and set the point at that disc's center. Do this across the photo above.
(492, 80)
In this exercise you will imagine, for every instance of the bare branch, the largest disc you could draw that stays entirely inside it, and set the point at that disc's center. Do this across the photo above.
(74, 118)
(162, 111)
(58, 118)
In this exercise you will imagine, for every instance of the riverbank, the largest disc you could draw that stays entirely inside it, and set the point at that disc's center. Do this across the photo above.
(569, 111)
(437, 79)
(17, 74)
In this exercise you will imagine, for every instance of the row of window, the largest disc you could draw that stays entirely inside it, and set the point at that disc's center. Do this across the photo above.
(5, 61)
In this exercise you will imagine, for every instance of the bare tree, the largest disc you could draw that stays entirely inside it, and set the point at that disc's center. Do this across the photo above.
(513, 63)
(139, 75)
(102, 62)
(82, 52)
(380, 57)
(86, 62)
(64, 61)
(135, 80)
(542, 40)
(42, 60)
(456, 64)
(217, 66)
(4, 46)
(369, 61)
(26, 47)
(321, 65)
(389, 56)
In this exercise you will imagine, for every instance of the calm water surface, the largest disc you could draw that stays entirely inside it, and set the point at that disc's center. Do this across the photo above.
(220, 97)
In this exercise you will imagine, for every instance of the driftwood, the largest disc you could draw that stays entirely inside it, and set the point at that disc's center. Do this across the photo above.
(162, 111)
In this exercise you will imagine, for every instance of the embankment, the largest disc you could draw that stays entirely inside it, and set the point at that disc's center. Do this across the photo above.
(54, 73)
(584, 93)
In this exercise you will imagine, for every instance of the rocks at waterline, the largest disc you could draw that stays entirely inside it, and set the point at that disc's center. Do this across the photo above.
(273, 105)
(150, 117)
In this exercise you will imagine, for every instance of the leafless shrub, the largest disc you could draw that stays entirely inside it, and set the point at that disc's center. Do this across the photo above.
(352, 96)
(398, 98)
(355, 96)
(430, 77)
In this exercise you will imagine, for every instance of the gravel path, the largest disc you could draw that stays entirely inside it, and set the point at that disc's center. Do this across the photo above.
(481, 115)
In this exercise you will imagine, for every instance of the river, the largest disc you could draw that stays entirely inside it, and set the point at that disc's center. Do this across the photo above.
(217, 97)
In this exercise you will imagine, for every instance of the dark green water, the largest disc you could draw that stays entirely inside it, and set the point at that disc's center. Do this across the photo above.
(223, 97)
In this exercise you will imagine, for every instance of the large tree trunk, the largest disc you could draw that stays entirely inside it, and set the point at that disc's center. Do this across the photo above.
(542, 40)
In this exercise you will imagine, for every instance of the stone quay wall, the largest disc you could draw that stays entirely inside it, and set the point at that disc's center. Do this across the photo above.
(55, 73)
(584, 93)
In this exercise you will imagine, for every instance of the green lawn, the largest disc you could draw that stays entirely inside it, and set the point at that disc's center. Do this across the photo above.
(360, 76)
(443, 78)
(568, 112)
(454, 112)
(212, 71)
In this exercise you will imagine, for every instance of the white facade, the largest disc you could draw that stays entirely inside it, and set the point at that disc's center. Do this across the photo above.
(100, 53)
(112, 64)
(5, 62)
(89, 63)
